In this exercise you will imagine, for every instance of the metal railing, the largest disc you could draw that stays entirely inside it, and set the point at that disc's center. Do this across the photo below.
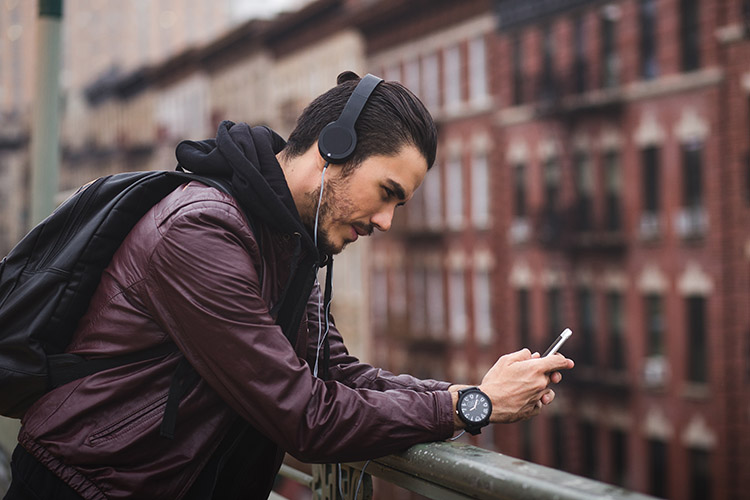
(449, 470)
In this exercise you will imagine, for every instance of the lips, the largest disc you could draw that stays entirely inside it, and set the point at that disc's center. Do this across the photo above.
(361, 231)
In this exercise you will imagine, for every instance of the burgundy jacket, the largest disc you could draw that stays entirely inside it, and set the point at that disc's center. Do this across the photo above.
(195, 273)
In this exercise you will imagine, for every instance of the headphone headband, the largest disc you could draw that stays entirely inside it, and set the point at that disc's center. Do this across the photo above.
(338, 139)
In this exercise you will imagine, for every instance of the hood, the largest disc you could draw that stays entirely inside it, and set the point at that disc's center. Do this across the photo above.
(247, 156)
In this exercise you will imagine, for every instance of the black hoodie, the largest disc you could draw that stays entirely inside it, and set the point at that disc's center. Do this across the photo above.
(247, 156)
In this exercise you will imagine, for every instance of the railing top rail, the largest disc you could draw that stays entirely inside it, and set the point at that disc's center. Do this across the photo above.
(463, 471)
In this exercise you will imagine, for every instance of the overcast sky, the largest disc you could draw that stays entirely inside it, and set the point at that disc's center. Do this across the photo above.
(245, 9)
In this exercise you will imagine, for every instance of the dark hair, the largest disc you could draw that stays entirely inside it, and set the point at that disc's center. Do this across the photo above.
(392, 118)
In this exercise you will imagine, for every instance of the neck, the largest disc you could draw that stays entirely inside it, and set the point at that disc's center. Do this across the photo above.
(302, 174)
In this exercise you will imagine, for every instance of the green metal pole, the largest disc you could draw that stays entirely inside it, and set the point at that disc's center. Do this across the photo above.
(45, 133)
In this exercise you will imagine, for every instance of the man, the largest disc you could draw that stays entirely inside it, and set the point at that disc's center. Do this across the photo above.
(260, 368)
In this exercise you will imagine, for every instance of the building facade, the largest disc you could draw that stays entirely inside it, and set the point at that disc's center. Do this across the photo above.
(593, 172)
(624, 171)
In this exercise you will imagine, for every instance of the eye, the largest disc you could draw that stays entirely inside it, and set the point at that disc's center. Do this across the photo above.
(388, 193)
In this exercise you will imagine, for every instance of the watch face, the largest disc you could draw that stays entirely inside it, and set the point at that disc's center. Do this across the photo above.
(475, 407)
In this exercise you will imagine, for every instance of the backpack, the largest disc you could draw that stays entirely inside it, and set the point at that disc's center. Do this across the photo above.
(48, 279)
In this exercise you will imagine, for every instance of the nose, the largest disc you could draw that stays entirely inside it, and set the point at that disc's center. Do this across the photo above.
(383, 219)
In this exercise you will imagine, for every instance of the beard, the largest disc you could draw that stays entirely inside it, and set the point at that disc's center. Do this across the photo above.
(334, 207)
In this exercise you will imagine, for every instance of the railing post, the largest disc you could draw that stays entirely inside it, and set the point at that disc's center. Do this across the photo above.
(340, 482)
(45, 136)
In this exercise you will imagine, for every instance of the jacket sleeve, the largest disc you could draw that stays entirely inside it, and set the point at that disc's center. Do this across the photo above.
(346, 368)
(204, 291)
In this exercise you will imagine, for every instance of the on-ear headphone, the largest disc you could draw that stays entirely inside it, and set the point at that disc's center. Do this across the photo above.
(338, 139)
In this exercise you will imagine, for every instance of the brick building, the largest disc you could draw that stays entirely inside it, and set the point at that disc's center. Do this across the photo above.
(623, 177)
(432, 276)
(593, 171)
(614, 140)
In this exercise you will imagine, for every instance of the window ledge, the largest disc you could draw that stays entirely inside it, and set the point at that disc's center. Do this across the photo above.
(696, 390)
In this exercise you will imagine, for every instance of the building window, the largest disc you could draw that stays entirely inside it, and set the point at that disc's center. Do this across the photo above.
(412, 76)
(452, 76)
(649, 56)
(655, 325)
(612, 191)
(616, 326)
(430, 80)
(518, 76)
(552, 177)
(478, 70)
(524, 317)
(398, 297)
(482, 307)
(548, 85)
(747, 153)
(519, 191)
(586, 322)
(455, 187)
(558, 442)
(527, 440)
(700, 474)
(584, 191)
(435, 303)
(480, 190)
(692, 176)
(658, 468)
(590, 453)
(519, 230)
(433, 197)
(415, 215)
(379, 299)
(580, 66)
(457, 311)
(393, 72)
(696, 339)
(692, 219)
(619, 458)
(418, 296)
(651, 186)
(610, 59)
(690, 34)
(554, 313)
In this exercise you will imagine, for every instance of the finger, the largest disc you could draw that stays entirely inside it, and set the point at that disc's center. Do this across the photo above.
(555, 377)
(557, 362)
(537, 409)
(536, 355)
(547, 397)
(521, 355)
(524, 353)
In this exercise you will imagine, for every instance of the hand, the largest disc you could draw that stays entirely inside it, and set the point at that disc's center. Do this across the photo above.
(518, 384)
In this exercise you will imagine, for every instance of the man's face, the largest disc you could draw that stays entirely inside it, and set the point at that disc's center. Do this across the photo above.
(365, 199)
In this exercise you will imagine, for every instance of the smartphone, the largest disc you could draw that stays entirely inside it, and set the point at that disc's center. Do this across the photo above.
(557, 344)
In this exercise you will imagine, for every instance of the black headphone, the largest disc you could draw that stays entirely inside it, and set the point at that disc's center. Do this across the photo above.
(338, 139)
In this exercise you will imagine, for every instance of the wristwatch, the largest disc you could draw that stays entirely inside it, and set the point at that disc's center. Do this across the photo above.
(474, 409)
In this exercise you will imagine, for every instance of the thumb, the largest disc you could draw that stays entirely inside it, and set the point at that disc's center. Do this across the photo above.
(558, 362)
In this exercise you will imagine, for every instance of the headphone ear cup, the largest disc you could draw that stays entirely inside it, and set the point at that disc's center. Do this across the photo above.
(336, 143)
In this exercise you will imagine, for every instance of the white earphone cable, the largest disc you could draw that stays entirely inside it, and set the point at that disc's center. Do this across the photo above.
(315, 239)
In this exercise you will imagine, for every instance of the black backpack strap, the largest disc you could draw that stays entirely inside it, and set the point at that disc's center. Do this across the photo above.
(185, 378)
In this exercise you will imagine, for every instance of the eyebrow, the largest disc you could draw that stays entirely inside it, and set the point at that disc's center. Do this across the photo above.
(397, 189)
